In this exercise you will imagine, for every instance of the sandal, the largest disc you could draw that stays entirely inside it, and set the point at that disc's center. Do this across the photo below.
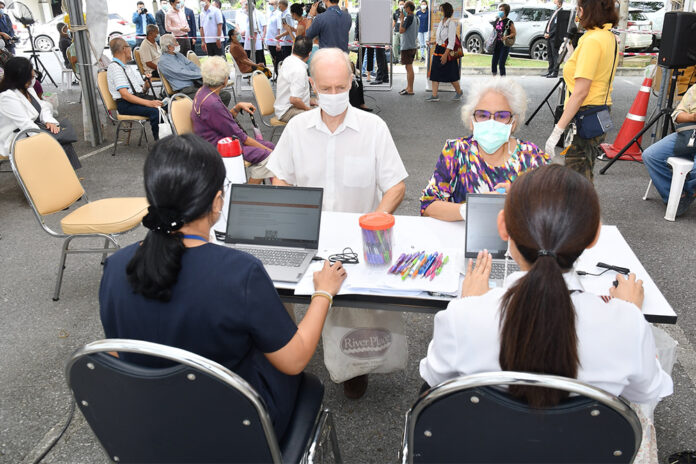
(404, 92)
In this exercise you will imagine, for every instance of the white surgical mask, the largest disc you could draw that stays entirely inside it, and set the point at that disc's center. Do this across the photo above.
(165, 8)
(203, 4)
(177, 49)
(423, 7)
(333, 104)
(32, 83)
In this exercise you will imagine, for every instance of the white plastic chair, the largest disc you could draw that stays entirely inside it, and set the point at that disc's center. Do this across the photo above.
(239, 78)
(680, 169)
(64, 72)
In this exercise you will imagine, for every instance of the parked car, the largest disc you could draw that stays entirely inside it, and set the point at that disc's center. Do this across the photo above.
(46, 35)
(655, 12)
(530, 22)
(638, 21)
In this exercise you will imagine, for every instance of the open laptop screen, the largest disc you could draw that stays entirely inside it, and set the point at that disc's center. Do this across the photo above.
(275, 216)
(482, 225)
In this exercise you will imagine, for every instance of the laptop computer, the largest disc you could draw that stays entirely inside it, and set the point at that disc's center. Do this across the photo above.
(482, 234)
(278, 225)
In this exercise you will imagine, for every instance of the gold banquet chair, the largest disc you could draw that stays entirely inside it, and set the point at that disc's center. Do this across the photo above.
(50, 185)
(263, 94)
(179, 110)
(193, 58)
(119, 119)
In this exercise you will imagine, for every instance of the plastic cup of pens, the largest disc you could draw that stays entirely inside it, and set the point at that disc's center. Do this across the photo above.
(377, 238)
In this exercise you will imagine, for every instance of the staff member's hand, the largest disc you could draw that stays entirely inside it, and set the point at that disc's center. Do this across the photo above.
(476, 279)
(550, 147)
(52, 127)
(630, 290)
(330, 278)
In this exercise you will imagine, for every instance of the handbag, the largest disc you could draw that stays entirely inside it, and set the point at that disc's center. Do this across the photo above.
(685, 144)
(66, 134)
(489, 46)
(457, 51)
(509, 41)
(595, 120)
(164, 128)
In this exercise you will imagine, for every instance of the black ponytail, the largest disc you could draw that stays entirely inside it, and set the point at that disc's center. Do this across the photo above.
(182, 176)
(552, 215)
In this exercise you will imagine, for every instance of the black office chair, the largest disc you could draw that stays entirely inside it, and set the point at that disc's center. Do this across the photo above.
(194, 411)
(469, 419)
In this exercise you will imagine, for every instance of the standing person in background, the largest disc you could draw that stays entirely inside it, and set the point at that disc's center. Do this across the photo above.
(193, 30)
(396, 36)
(259, 33)
(211, 29)
(588, 75)
(160, 16)
(550, 34)
(272, 31)
(141, 19)
(176, 24)
(441, 69)
(6, 30)
(218, 5)
(423, 15)
(409, 34)
(504, 29)
(285, 24)
(150, 52)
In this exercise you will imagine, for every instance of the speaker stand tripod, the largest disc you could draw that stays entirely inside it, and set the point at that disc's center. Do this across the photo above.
(663, 113)
(38, 64)
(560, 83)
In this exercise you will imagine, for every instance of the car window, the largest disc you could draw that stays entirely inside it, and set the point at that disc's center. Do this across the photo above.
(542, 14)
(647, 7)
(524, 14)
(637, 16)
(515, 15)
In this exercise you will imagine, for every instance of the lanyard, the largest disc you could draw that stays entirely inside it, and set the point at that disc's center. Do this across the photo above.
(196, 237)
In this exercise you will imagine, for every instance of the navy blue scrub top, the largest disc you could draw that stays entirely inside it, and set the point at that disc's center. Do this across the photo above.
(223, 307)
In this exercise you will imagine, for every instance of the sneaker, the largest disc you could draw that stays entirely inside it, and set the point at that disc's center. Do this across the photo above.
(432, 98)
(458, 96)
(684, 204)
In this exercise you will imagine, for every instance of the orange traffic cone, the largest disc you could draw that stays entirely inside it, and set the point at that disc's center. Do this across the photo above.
(635, 120)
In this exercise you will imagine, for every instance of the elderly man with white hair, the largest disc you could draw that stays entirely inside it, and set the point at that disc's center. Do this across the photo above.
(347, 152)
(183, 74)
(488, 160)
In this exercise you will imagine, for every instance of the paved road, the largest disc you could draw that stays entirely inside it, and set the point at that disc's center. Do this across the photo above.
(38, 334)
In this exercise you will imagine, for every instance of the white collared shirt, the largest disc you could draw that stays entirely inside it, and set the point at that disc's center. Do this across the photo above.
(354, 165)
(293, 81)
(616, 347)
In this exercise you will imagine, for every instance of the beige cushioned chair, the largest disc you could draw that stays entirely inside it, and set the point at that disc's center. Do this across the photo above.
(112, 109)
(51, 185)
(265, 99)
(180, 107)
(191, 55)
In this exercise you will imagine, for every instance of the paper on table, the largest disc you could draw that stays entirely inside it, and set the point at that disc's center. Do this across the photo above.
(366, 279)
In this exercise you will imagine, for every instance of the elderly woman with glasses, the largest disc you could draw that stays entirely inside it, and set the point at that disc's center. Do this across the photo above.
(213, 121)
(487, 161)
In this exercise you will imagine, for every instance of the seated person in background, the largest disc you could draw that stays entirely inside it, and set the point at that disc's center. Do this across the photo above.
(64, 43)
(347, 152)
(292, 89)
(489, 159)
(239, 56)
(176, 289)
(213, 121)
(150, 52)
(544, 322)
(127, 87)
(655, 156)
(182, 74)
(21, 108)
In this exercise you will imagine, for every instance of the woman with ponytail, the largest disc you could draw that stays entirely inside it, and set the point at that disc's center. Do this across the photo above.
(177, 289)
(544, 322)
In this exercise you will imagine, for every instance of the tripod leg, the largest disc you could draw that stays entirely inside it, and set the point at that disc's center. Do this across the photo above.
(664, 112)
(38, 64)
(545, 101)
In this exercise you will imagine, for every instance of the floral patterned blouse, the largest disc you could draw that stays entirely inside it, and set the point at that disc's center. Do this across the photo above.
(460, 170)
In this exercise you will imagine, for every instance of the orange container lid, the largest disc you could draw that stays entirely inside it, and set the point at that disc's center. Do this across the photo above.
(376, 221)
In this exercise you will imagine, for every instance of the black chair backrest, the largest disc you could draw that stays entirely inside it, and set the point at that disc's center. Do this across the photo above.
(485, 424)
(184, 413)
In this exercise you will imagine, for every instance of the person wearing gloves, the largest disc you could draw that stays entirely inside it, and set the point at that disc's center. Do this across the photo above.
(488, 160)
(21, 108)
(544, 321)
(588, 75)
(352, 156)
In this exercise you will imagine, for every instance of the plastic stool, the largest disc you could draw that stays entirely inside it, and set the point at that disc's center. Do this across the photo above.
(680, 168)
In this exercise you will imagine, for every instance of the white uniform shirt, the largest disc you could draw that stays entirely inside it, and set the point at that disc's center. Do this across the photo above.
(259, 22)
(616, 348)
(354, 165)
(209, 20)
(293, 81)
(446, 31)
(272, 29)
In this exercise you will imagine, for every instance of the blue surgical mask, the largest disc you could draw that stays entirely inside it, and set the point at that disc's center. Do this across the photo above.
(501, 14)
(271, 8)
(2, 11)
(491, 134)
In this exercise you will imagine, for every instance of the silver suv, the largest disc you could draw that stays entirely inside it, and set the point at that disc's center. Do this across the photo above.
(530, 22)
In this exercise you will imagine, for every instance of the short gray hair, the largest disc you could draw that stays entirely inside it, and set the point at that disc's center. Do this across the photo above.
(151, 28)
(117, 45)
(166, 41)
(214, 71)
(507, 87)
(324, 54)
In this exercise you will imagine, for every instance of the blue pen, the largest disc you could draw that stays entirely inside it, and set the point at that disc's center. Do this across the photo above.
(428, 263)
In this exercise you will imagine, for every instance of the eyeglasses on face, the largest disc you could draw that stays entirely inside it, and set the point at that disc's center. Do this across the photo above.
(500, 116)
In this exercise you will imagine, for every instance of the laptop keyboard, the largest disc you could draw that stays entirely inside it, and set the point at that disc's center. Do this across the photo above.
(271, 257)
(498, 269)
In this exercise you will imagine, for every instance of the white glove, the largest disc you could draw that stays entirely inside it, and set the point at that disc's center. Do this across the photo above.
(553, 139)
